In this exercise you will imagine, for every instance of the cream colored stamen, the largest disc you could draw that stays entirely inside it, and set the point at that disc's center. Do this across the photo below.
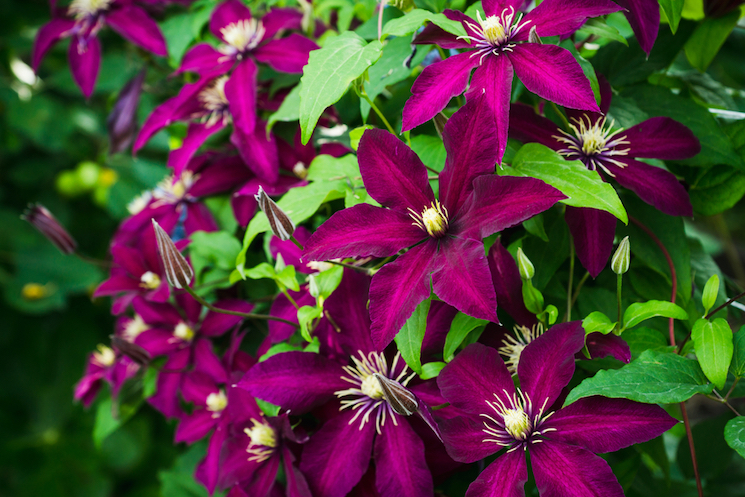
(215, 102)
(517, 423)
(133, 328)
(262, 441)
(217, 402)
(149, 280)
(83, 8)
(105, 356)
(243, 35)
(184, 332)
(513, 346)
(433, 219)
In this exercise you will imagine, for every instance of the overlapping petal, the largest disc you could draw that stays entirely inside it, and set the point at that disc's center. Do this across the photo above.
(401, 469)
(240, 90)
(505, 477)
(288, 54)
(593, 231)
(133, 24)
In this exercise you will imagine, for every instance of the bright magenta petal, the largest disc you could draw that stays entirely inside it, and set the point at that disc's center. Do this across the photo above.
(196, 135)
(240, 90)
(401, 469)
(258, 151)
(661, 138)
(286, 54)
(85, 61)
(47, 36)
(644, 17)
(133, 23)
(463, 437)
(563, 17)
(228, 13)
(528, 127)
(204, 60)
(505, 477)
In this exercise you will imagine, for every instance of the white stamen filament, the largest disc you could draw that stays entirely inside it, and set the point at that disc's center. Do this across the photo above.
(217, 402)
(184, 332)
(84, 8)
(433, 219)
(215, 102)
(513, 346)
(243, 35)
(262, 440)
(593, 142)
(105, 356)
(133, 328)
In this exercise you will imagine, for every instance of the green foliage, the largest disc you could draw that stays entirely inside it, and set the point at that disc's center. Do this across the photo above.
(734, 434)
(412, 21)
(460, 328)
(713, 342)
(409, 338)
(737, 366)
(639, 312)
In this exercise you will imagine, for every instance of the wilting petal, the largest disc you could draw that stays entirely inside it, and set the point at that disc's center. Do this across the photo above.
(297, 381)
(258, 151)
(135, 25)
(337, 455)
(287, 54)
(347, 307)
(85, 60)
(505, 477)
(401, 470)
(362, 230)
(194, 426)
(475, 376)
(240, 90)
(434, 88)
(196, 135)
(563, 17)
(547, 363)
(463, 437)
(47, 36)
(644, 18)
(508, 285)
(552, 73)
(227, 13)
(661, 138)
(562, 469)
(493, 79)
(593, 231)
(216, 323)
(397, 289)
(392, 172)
(657, 187)
(600, 346)
(205, 60)
(527, 126)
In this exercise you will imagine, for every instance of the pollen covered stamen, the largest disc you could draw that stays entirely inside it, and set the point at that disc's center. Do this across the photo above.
(172, 191)
(184, 332)
(243, 35)
(513, 346)
(517, 423)
(149, 280)
(494, 34)
(217, 402)
(84, 8)
(593, 143)
(513, 422)
(371, 388)
(433, 219)
(105, 356)
(133, 328)
(262, 440)
(215, 102)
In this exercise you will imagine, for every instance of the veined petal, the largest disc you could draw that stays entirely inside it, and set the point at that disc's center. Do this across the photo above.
(133, 23)
(215, 323)
(463, 437)
(259, 153)
(505, 477)
(508, 285)
(661, 138)
(196, 135)
(552, 73)
(347, 307)
(401, 469)
(434, 88)
(227, 13)
(297, 485)
(288, 54)
(644, 18)
(281, 19)
(527, 126)
(85, 60)
(562, 469)
(599, 346)
(563, 17)
(240, 90)
(47, 36)
(593, 231)
(432, 34)
(195, 426)
(362, 230)
(495, 7)
(204, 60)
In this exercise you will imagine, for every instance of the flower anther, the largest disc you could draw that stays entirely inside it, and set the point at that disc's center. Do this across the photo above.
(184, 332)
(494, 33)
(515, 422)
(217, 402)
(243, 35)
(513, 346)
(262, 440)
(133, 328)
(81, 9)
(104, 356)
(215, 102)
(149, 280)
(593, 143)
(433, 219)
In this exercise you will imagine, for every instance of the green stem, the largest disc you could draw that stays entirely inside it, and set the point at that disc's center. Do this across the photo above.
(561, 115)
(248, 315)
(619, 285)
(350, 266)
(374, 107)
(294, 240)
(287, 294)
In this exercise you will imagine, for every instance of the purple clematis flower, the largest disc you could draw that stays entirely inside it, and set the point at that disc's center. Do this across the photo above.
(501, 43)
(644, 18)
(561, 442)
(82, 21)
(445, 234)
(105, 364)
(612, 153)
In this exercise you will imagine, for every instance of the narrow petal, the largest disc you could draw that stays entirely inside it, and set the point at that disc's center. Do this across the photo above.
(347, 307)
(286, 54)
(223, 176)
(528, 127)
(195, 426)
(562, 469)
(206, 361)
(495, 7)
(505, 477)
(603, 425)
(392, 172)
(196, 135)
(337, 455)
(600, 346)
(133, 23)
(281, 19)
(297, 485)
(462, 279)
(166, 398)
(47, 36)
(508, 285)
(434, 88)
(259, 153)
(199, 218)
(644, 17)
(661, 138)
(439, 318)
(475, 376)
(397, 289)
(657, 187)
(204, 60)
(209, 469)
(435, 35)
(593, 231)
(85, 60)
(240, 90)
(400, 467)
(463, 437)
(216, 323)
(227, 13)
(552, 73)
(563, 17)
(547, 363)
(362, 230)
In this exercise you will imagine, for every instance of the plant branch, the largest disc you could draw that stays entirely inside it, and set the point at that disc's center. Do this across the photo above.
(248, 315)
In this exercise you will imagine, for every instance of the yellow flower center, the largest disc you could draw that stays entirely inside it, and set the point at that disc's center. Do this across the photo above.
(371, 387)
(184, 332)
(300, 170)
(171, 191)
(84, 8)
(512, 347)
(139, 202)
(149, 280)
(262, 439)
(433, 219)
(217, 402)
(243, 35)
(214, 101)
(517, 423)
(593, 142)
(133, 328)
(105, 356)
(495, 31)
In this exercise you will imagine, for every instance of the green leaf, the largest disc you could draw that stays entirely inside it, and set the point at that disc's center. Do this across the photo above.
(641, 311)
(535, 227)
(711, 291)
(178, 33)
(584, 188)
(409, 338)
(328, 74)
(643, 338)
(737, 366)
(599, 28)
(431, 370)
(718, 189)
(653, 378)
(328, 168)
(286, 278)
(263, 270)
(356, 135)
(672, 10)
(462, 325)
(105, 423)
(150, 382)
(327, 281)
(597, 321)
(713, 342)
(218, 247)
(278, 348)
(179, 480)
(430, 150)
(412, 21)
(267, 407)
(708, 38)
(288, 111)
(734, 434)
(305, 316)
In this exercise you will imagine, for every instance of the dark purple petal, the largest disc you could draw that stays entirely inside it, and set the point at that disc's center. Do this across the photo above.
(287, 54)
(297, 381)
(166, 398)
(258, 151)
(216, 323)
(206, 61)
(434, 88)
(338, 455)
(397, 289)
(240, 90)
(661, 138)
(206, 362)
(562, 469)
(644, 18)
(283, 308)
(434, 35)
(593, 231)
(462, 278)
(122, 121)
(563, 17)
(227, 13)
(547, 363)
(196, 135)
(475, 376)
(198, 218)
(135, 25)
(508, 285)
(400, 467)
(656, 186)
(527, 126)
(471, 144)
(439, 318)
(392, 172)
(85, 60)
(362, 230)
(495, 7)
(48, 35)
(158, 341)
(208, 470)
(505, 477)
(156, 313)
(196, 387)
(600, 346)
(552, 73)
(347, 307)
(297, 485)
(222, 176)
(116, 284)
(463, 437)
(290, 252)
(194, 426)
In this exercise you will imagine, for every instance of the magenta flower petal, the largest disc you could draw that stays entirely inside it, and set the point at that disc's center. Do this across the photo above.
(286, 54)
(527, 126)
(223, 174)
(362, 230)
(562, 469)
(661, 138)
(547, 365)
(505, 477)
(133, 23)
(85, 61)
(116, 284)
(434, 88)
(347, 306)
(439, 318)
(400, 466)
(397, 289)
(215, 323)
(393, 174)
(508, 285)
(599, 346)
(204, 60)
(48, 35)
(196, 387)
(205, 361)
(297, 485)
(208, 470)
(495, 7)
(593, 231)
(196, 135)
(166, 398)
(644, 18)
(281, 19)
(240, 91)
(195, 426)
(198, 218)
(337, 455)
(462, 279)
(563, 17)
(463, 437)
(227, 13)
(258, 151)
(283, 308)
(475, 375)
(654, 185)
(432, 34)
(552, 73)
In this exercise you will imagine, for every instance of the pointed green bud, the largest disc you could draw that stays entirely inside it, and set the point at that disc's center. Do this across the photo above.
(711, 290)
(620, 261)
(526, 268)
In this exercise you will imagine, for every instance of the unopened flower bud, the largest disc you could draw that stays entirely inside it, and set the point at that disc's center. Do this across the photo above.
(533, 36)
(282, 226)
(131, 350)
(526, 268)
(122, 121)
(440, 121)
(178, 272)
(620, 261)
(47, 224)
(401, 399)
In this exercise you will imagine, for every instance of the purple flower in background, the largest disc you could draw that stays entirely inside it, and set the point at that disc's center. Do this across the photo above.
(104, 365)
(561, 442)
(122, 121)
(82, 21)
(445, 234)
(644, 18)
(501, 43)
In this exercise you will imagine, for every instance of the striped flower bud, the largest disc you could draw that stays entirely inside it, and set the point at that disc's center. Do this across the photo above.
(131, 350)
(281, 224)
(178, 272)
(620, 261)
(47, 224)
(401, 399)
